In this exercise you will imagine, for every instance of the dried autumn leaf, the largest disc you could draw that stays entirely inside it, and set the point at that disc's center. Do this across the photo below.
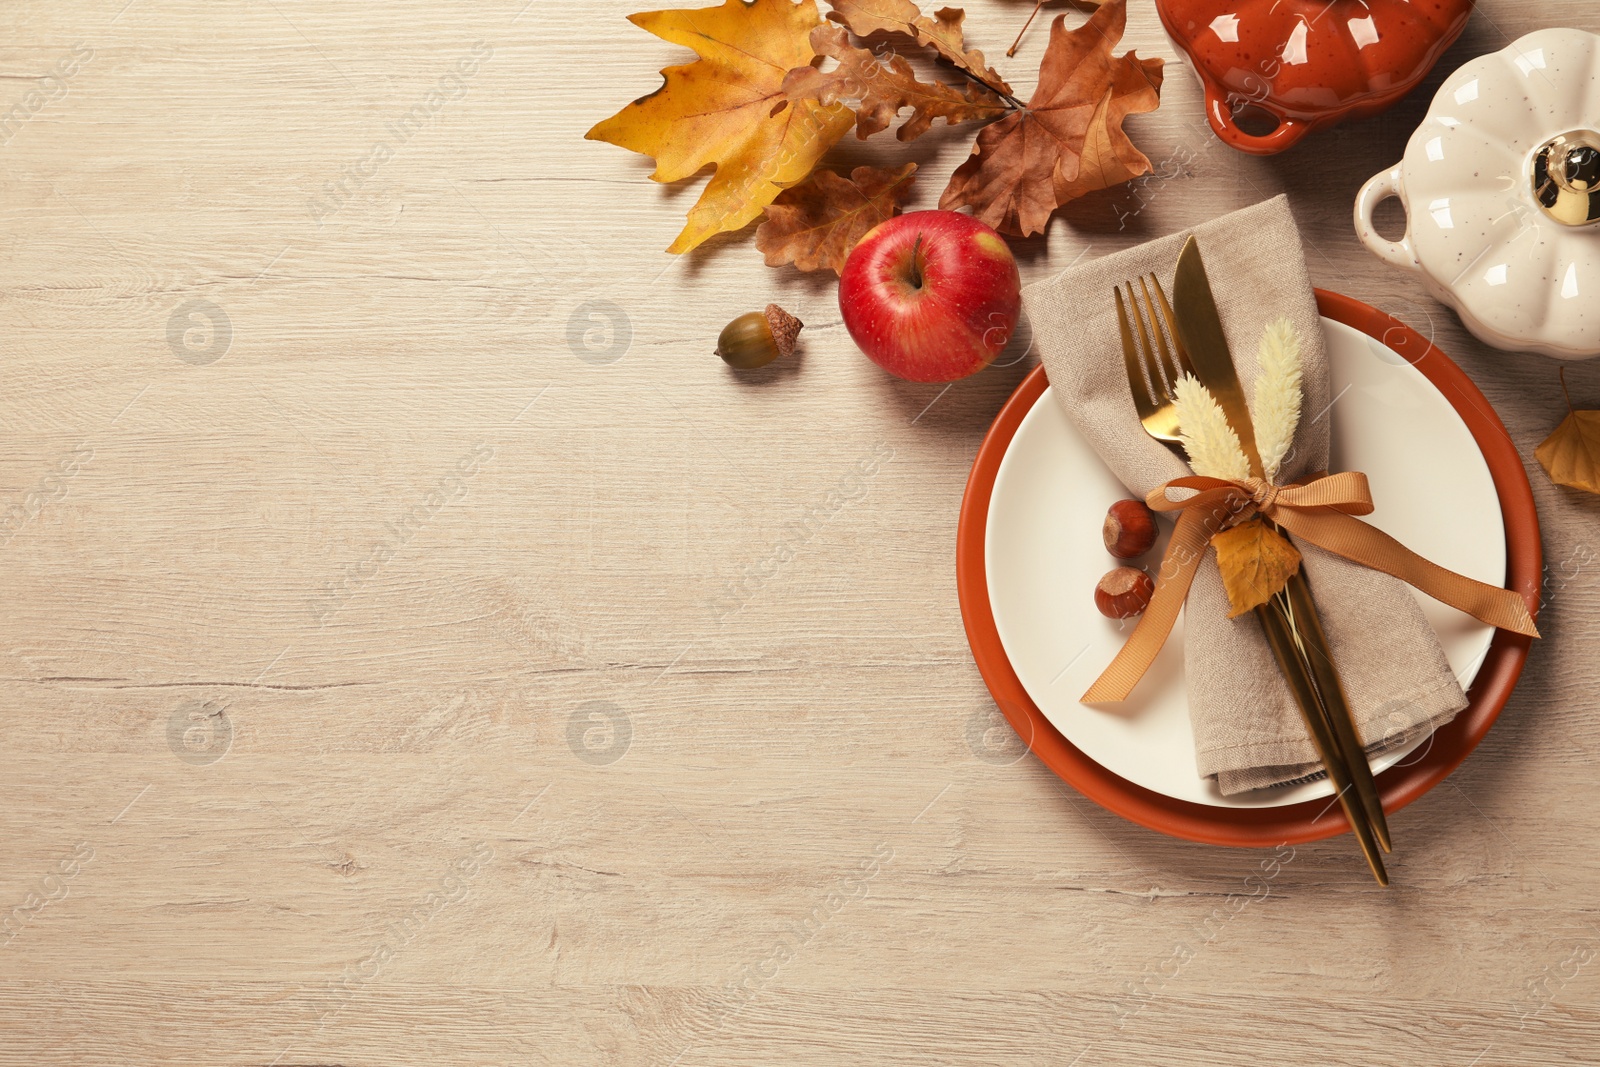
(877, 89)
(1571, 455)
(728, 109)
(942, 33)
(1256, 563)
(817, 223)
(1069, 140)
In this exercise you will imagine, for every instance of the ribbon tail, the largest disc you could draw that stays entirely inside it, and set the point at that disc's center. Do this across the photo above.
(1178, 567)
(1369, 546)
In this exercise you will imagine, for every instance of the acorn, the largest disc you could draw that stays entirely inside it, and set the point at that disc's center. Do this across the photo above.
(1124, 593)
(756, 339)
(1129, 529)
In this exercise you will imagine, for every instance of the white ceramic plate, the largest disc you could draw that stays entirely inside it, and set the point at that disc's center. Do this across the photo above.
(1043, 554)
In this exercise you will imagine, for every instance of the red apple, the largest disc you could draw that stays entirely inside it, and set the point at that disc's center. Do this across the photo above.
(931, 296)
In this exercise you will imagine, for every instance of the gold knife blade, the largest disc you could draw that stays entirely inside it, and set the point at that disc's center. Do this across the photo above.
(1200, 331)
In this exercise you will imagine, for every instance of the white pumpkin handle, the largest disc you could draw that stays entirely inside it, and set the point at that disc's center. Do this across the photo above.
(1379, 188)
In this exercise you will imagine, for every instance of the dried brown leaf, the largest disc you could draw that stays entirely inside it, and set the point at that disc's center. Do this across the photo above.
(1256, 563)
(817, 223)
(942, 33)
(877, 89)
(1069, 140)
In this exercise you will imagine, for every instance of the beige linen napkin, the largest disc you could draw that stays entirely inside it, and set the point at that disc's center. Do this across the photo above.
(1248, 732)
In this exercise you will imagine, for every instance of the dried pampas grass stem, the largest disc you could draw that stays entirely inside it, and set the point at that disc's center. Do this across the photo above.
(1277, 399)
(1211, 444)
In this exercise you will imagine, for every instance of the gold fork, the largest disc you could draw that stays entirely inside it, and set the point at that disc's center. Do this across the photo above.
(1153, 375)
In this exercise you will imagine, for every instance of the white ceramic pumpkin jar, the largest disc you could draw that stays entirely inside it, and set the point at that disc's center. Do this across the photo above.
(1501, 187)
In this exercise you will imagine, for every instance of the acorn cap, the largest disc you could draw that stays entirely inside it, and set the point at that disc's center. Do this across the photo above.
(785, 328)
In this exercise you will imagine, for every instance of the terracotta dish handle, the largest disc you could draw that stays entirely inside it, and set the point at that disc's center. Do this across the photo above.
(1268, 144)
(1379, 188)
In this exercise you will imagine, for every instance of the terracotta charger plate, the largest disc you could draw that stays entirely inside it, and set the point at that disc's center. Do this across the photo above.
(1311, 819)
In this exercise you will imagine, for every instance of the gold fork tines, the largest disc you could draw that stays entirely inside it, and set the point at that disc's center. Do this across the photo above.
(1154, 399)
(1169, 370)
(1153, 373)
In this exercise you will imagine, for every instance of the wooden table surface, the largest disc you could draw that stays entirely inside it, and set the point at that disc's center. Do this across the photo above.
(418, 647)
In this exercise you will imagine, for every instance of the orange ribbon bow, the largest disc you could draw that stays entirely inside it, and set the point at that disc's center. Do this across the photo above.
(1321, 512)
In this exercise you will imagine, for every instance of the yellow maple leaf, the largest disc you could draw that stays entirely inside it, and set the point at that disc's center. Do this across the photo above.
(1256, 563)
(729, 109)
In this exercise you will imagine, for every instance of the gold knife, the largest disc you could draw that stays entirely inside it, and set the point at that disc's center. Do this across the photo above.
(1200, 331)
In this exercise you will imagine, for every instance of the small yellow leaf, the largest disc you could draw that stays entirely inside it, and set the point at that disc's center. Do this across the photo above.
(1256, 563)
(1571, 455)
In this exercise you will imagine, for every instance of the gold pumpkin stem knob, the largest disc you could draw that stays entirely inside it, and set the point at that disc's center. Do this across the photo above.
(1566, 178)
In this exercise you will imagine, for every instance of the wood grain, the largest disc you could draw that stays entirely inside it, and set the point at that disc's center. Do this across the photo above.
(448, 660)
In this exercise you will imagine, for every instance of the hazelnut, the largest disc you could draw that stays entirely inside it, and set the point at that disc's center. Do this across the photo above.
(1129, 530)
(1124, 593)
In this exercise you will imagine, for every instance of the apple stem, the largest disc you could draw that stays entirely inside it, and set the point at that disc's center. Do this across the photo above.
(916, 263)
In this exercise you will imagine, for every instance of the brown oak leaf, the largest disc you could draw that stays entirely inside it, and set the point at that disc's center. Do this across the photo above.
(728, 109)
(1069, 139)
(942, 32)
(878, 89)
(1571, 455)
(817, 223)
(1256, 563)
